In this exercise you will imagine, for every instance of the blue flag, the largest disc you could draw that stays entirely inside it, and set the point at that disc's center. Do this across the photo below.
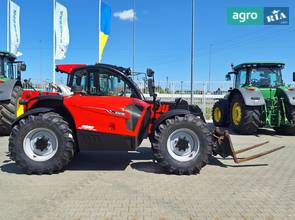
(105, 27)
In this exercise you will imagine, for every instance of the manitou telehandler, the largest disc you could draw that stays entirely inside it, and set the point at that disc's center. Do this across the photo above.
(10, 90)
(259, 99)
(107, 111)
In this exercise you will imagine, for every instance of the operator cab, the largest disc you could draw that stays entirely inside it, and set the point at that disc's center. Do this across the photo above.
(103, 80)
(9, 68)
(259, 75)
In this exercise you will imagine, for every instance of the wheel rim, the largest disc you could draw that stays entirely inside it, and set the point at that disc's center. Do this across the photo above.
(40, 144)
(19, 108)
(217, 114)
(237, 113)
(183, 144)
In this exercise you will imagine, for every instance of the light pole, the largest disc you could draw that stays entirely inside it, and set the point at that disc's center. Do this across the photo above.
(210, 60)
(181, 87)
(54, 43)
(167, 84)
(193, 51)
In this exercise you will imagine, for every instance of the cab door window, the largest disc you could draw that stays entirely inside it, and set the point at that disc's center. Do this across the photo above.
(94, 88)
(80, 79)
(112, 85)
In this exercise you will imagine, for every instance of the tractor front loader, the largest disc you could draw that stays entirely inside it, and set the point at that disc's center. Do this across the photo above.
(107, 111)
(259, 98)
(10, 90)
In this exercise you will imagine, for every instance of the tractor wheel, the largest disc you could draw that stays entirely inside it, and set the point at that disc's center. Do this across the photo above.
(290, 110)
(244, 119)
(182, 145)
(219, 114)
(42, 144)
(9, 111)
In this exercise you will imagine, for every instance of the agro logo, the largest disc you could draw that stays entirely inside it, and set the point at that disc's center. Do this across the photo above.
(245, 16)
(276, 16)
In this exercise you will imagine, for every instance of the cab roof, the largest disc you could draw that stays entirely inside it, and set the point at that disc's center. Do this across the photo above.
(258, 64)
(7, 54)
(69, 68)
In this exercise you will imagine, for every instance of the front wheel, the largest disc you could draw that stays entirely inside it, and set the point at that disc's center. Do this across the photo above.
(219, 114)
(244, 119)
(10, 111)
(182, 144)
(42, 144)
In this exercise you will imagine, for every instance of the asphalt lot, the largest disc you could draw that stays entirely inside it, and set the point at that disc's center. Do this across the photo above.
(122, 185)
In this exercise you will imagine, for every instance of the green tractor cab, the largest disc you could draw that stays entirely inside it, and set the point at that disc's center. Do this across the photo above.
(10, 90)
(259, 98)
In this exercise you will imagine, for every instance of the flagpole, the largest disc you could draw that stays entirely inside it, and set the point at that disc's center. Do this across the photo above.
(193, 51)
(99, 20)
(8, 26)
(133, 40)
(53, 61)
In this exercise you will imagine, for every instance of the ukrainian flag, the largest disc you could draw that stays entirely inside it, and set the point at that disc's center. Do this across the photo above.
(105, 27)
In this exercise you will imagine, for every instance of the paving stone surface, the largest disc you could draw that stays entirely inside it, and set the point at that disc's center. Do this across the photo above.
(128, 185)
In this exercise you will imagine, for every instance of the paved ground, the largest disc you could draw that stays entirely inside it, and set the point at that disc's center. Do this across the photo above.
(129, 186)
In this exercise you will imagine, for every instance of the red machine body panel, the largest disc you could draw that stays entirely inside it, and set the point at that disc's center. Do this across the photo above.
(31, 96)
(104, 114)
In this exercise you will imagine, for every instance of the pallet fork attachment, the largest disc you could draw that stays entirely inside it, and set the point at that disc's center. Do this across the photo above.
(224, 147)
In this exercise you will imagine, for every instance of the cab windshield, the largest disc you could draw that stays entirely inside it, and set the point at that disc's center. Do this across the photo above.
(136, 86)
(265, 77)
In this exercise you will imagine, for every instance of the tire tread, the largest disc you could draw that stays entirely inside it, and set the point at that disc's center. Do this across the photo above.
(157, 142)
(57, 164)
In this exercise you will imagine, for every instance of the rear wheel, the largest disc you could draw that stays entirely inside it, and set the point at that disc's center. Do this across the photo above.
(244, 119)
(219, 114)
(290, 130)
(10, 111)
(42, 144)
(181, 145)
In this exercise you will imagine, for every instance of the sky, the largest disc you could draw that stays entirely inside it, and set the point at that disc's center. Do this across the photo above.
(162, 37)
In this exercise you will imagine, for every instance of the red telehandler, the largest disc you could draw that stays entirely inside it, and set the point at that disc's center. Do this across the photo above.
(107, 111)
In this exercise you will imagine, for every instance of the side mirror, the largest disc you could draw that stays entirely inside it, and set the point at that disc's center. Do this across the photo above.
(151, 87)
(293, 76)
(228, 77)
(150, 72)
(21, 67)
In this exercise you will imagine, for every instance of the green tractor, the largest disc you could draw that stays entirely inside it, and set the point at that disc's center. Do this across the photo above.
(10, 90)
(259, 98)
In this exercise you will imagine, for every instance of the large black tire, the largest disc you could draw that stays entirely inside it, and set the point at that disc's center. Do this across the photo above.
(250, 117)
(50, 122)
(284, 130)
(220, 114)
(8, 111)
(198, 130)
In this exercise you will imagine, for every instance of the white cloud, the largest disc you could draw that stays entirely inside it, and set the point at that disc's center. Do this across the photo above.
(126, 15)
